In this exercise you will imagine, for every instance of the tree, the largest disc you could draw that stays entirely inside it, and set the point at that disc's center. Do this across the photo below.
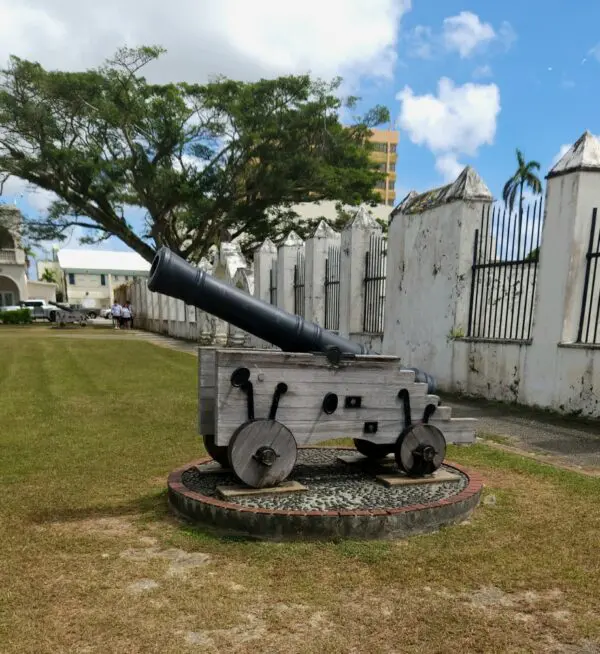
(49, 275)
(199, 161)
(524, 177)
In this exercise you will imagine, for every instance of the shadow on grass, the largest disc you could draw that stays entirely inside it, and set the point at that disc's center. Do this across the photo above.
(152, 507)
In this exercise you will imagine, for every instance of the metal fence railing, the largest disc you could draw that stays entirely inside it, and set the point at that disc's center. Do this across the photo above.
(506, 254)
(374, 285)
(589, 319)
(299, 286)
(332, 288)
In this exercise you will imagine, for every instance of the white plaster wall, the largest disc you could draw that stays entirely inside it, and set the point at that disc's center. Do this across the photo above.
(428, 284)
(16, 273)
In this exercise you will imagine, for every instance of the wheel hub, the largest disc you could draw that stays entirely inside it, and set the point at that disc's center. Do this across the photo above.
(265, 455)
(425, 452)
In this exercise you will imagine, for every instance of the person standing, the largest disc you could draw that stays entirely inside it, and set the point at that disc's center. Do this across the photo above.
(115, 312)
(126, 316)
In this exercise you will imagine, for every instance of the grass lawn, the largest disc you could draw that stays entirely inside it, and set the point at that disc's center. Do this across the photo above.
(92, 562)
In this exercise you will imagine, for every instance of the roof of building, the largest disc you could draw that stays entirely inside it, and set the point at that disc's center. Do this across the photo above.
(584, 154)
(102, 261)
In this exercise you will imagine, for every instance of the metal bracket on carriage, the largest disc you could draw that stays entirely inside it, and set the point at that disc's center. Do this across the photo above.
(404, 395)
(240, 378)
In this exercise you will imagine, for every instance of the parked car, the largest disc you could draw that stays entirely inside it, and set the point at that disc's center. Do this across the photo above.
(106, 313)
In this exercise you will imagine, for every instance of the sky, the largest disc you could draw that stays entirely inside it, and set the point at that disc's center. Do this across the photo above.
(465, 82)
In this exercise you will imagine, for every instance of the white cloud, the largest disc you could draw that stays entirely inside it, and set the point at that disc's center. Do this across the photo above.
(482, 72)
(19, 190)
(593, 52)
(459, 119)
(235, 38)
(560, 154)
(465, 33)
(449, 167)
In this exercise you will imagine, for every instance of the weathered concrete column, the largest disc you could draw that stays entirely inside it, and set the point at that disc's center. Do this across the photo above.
(287, 257)
(265, 260)
(354, 245)
(571, 196)
(316, 253)
(428, 277)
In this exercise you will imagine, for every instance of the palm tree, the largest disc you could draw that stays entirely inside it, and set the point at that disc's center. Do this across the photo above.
(524, 177)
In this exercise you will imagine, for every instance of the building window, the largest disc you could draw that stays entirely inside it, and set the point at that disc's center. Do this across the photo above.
(116, 278)
(72, 279)
(383, 167)
(392, 147)
(380, 147)
(102, 280)
(126, 278)
(380, 183)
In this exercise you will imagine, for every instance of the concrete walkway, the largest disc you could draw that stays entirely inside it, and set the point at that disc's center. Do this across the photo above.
(563, 441)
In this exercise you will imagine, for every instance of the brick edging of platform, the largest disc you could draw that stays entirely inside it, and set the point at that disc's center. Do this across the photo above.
(359, 523)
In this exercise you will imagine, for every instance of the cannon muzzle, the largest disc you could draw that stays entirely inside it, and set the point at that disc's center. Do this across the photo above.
(171, 275)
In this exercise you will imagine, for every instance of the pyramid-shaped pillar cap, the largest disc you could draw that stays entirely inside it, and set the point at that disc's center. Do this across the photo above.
(324, 230)
(584, 154)
(267, 247)
(363, 219)
(291, 240)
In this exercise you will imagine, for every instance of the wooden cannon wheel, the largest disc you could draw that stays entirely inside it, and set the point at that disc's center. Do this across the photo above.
(262, 453)
(420, 449)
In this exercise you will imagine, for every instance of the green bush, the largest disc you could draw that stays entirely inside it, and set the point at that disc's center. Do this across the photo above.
(17, 317)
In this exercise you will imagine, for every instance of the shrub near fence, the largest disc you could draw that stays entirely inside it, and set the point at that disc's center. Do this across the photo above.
(16, 317)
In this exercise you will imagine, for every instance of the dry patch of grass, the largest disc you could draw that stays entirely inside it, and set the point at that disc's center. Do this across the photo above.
(92, 561)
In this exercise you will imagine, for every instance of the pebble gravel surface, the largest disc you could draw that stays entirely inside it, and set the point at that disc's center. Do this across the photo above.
(332, 485)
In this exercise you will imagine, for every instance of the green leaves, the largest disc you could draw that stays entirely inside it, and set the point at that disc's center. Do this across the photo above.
(198, 158)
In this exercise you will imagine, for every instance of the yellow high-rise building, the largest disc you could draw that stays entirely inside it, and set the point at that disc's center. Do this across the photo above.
(384, 154)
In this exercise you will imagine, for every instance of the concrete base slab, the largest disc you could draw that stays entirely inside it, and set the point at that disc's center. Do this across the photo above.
(237, 491)
(212, 468)
(401, 479)
(359, 459)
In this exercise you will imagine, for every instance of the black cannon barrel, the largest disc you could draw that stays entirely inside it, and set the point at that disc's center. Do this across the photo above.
(171, 275)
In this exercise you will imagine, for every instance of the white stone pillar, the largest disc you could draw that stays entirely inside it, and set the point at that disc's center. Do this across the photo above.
(353, 248)
(571, 196)
(265, 261)
(428, 277)
(287, 257)
(316, 254)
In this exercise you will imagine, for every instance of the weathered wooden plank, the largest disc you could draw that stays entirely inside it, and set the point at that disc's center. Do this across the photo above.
(207, 379)
(400, 479)
(227, 492)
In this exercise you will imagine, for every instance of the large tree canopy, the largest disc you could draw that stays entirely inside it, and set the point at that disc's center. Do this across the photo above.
(196, 159)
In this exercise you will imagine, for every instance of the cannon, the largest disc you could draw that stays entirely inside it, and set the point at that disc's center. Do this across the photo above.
(256, 407)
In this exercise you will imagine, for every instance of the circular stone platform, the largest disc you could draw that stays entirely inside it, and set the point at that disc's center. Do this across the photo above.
(340, 499)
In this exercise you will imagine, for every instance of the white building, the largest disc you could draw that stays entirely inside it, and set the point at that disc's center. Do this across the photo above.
(89, 277)
(14, 285)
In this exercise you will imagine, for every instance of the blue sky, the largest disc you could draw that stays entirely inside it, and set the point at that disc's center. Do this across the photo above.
(512, 74)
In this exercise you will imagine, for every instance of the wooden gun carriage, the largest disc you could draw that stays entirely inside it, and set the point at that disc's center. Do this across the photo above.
(256, 407)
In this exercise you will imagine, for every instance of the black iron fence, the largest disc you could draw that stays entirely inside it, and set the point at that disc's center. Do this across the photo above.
(332, 288)
(589, 319)
(299, 276)
(374, 285)
(505, 267)
(273, 284)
